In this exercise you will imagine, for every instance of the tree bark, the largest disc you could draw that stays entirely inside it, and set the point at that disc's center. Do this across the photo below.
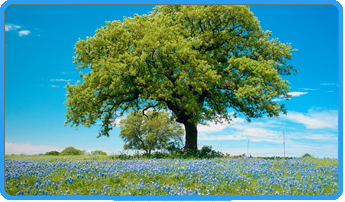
(191, 136)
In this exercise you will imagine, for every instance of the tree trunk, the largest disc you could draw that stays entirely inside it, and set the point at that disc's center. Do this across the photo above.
(191, 136)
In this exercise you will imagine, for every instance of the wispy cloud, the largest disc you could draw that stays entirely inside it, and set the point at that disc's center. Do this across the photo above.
(297, 94)
(66, 80)
(277, 99)
(23, 32)
(321, 137)
(10, 27)
(328, 84)
(14, 148)
(315, 119)
(307, 89)
(54, 86)
(67, 72)
(312, 135)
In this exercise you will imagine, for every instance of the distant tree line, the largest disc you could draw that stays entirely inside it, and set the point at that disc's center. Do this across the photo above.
(70, 151)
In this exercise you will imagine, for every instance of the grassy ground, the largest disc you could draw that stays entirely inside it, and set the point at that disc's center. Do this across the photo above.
(90, 175)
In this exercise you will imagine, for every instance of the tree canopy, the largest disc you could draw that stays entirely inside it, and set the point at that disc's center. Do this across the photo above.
(201, 62)
(149, 132)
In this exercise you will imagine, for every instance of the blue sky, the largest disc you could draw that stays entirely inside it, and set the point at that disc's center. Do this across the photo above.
(39, 43)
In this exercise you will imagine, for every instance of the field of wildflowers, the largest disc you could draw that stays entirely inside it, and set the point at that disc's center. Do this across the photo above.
(218, 176)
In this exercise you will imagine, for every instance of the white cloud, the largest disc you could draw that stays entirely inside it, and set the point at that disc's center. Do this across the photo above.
(24, 32)
(266, 137)
(117, 121)
(213, 127)
(265, 132)
(14, 148)
(10, 27)
(328, 84)
(314, 120)
(54, 86)
(297, 94)
(204, 137)
(61, 80)
(293, 94)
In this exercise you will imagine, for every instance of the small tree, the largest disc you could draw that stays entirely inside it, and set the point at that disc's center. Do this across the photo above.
(53, 153)
(71, 151)
(98, 152)
(149, 131)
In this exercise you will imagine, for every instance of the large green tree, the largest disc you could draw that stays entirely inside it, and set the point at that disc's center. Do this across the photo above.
(201, 62)
(148, 131)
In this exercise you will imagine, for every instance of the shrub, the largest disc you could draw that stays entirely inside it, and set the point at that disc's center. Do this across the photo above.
(98, 152)
(206, 149)
(306, 155)
(159, 155)
(173, 148)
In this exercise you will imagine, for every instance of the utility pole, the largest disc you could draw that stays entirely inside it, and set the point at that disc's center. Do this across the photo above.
(248, 147)
(284, 142)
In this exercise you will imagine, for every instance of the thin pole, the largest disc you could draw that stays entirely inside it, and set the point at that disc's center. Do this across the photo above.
(284, 142)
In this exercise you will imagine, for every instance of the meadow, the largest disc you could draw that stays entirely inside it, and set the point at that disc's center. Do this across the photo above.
(90, 175)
